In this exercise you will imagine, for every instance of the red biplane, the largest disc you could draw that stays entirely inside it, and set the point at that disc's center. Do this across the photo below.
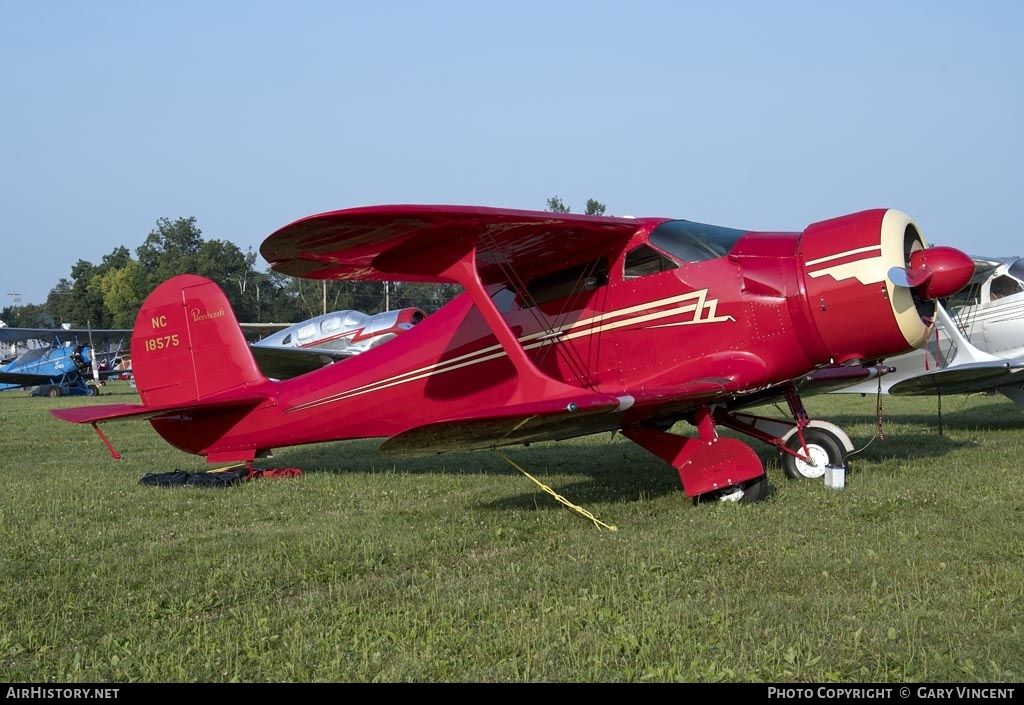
(568, 325)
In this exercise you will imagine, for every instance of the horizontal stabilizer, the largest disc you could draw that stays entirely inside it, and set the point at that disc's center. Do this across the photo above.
(118, 412)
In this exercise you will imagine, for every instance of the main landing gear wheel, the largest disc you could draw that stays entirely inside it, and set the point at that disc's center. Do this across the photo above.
(53, 391)
(823, 447)
(744, 493)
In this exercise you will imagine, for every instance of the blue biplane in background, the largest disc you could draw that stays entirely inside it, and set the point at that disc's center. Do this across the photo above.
(55, 362)
(62, 361)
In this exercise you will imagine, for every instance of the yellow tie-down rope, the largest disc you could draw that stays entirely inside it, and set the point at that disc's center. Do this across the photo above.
(560, 498)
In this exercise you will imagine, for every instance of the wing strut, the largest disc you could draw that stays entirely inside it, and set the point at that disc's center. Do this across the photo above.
(532, 382)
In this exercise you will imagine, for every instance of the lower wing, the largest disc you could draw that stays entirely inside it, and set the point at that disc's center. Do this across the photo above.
(25, 379)
(961, 379)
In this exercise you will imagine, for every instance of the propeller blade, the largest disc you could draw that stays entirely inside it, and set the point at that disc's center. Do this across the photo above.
(908, 278)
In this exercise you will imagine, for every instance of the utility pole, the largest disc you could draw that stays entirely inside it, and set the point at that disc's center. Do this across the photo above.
(16, 296)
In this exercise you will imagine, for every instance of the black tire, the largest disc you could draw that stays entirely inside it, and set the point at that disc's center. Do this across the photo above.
(744, 493)
(92, 390)
(755, 490)
(53, 391)
(825, 448)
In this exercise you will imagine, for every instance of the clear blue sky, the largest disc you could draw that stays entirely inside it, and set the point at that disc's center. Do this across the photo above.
(248, 115)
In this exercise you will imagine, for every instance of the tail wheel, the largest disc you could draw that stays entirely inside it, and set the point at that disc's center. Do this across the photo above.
(823, 448)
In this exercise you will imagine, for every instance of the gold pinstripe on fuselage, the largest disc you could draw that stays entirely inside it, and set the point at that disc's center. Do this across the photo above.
(698, 304)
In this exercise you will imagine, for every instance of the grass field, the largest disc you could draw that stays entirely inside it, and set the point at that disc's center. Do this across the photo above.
(460, 568)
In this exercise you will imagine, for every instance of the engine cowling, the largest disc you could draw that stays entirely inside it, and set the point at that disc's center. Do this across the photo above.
(873, 271)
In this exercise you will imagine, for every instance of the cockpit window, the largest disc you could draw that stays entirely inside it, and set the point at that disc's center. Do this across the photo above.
(571, 280)
(646, 260)
(694, 242)
(1016, 270)
(504, 299)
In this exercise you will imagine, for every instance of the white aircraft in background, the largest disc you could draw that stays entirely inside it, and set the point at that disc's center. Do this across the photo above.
(977, 345)
(325, 339)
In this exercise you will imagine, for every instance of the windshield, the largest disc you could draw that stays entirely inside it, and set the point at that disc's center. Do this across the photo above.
(1016, 270)
(694, 242)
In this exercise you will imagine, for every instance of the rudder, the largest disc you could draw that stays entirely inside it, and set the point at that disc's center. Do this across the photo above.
(187, 344)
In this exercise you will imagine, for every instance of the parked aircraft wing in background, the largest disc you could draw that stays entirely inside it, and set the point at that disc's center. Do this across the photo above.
(977, 345)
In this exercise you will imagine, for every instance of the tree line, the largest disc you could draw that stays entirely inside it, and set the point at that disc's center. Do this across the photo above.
(110, 294)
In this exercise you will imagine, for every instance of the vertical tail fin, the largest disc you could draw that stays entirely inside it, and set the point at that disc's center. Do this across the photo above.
(187, 344)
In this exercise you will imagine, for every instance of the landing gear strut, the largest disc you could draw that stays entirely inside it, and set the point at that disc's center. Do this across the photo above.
(805, 447)
(710, 466)
(714, 467)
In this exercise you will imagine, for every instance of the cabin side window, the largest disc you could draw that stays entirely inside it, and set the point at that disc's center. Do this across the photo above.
(646, 260)
(568, 281)
(504, 300)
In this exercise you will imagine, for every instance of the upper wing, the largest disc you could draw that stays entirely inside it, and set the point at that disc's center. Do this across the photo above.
(419, 242)
(20, 335)
(984, 266)
(17, 335)
(262, 329)
(82, 334)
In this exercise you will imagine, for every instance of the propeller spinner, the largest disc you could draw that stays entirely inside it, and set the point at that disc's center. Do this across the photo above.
(934, 273)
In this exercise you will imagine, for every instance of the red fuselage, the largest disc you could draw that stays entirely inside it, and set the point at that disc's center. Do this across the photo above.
(774, 307)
